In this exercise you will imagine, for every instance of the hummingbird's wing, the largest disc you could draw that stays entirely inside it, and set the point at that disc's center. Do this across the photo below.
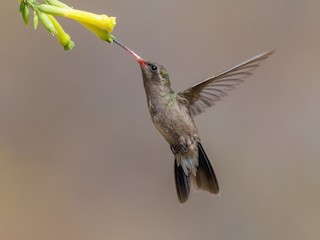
(211, 90)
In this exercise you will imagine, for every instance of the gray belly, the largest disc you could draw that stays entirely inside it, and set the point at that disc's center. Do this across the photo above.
(177, 126)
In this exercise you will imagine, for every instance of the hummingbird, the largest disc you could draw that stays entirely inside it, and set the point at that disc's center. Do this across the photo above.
(173, 113)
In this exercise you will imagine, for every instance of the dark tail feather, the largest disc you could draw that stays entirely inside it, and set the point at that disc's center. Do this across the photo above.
(206, 179)
(182, 183)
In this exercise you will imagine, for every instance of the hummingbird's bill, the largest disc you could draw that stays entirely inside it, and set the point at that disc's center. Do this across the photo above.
(136, 56)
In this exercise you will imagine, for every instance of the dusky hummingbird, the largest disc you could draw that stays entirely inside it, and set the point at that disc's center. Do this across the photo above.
(172, 114)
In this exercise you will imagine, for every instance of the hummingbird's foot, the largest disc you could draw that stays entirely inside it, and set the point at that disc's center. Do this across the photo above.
(173, 150)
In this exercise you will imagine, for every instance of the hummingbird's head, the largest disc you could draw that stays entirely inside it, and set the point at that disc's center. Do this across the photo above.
(152, 73)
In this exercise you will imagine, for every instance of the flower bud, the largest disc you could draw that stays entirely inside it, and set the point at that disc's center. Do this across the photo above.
(63, 38)
(35, 20)
(25, 13)
(47, 23)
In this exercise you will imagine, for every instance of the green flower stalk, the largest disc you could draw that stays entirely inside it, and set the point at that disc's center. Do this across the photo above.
(57, 3)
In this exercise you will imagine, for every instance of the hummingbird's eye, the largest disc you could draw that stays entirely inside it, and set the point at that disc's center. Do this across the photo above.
(154, 67)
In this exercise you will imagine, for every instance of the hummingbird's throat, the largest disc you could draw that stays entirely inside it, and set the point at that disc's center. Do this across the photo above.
(136, 56)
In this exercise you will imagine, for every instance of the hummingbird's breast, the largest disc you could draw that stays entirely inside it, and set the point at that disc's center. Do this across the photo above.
(173, 120)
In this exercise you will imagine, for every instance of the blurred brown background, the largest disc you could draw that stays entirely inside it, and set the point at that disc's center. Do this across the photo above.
(80, 158)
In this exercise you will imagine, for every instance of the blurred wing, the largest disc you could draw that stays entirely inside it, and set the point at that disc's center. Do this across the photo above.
(211, 90)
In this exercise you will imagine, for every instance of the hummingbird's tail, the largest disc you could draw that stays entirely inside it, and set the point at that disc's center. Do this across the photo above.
(205, 177)
(182, 182)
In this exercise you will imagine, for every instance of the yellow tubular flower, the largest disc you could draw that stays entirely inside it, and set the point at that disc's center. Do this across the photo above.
(102, 21)
(63, 38)
(100, 33)
(100, 25)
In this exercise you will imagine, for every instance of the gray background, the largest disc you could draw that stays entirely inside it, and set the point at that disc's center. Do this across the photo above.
(80, 158)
